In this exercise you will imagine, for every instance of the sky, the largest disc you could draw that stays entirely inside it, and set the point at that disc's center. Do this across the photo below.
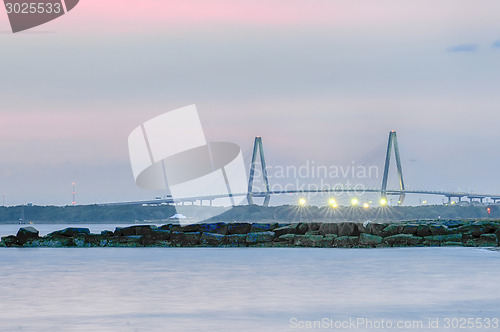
(322, 81)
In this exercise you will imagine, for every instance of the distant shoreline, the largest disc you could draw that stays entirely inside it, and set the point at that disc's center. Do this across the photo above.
(96, 214)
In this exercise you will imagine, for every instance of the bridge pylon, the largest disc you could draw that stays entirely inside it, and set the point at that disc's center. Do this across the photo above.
(257, 148)
(393, 140)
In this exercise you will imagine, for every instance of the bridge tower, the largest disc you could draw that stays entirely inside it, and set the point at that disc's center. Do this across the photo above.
(257, 147)
(393, 140)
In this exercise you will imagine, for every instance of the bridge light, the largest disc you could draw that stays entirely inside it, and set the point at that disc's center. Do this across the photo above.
(452, 202)
(424, 202)
(488, 210)
(383, 202)
(332, 201)
(366, 205)
(302, 201)
(354, 201)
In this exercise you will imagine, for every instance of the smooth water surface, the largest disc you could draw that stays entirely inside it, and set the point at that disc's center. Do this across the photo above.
(240, 289)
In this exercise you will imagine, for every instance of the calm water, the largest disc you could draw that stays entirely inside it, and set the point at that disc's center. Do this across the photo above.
(241, 289)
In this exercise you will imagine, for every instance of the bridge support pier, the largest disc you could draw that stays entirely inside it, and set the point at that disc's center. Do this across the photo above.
(393, 140)
(257, 147)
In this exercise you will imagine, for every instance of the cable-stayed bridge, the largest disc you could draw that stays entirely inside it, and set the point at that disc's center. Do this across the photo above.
(258, 159)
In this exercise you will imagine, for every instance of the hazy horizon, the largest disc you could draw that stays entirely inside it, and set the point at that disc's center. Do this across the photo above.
(321, 81)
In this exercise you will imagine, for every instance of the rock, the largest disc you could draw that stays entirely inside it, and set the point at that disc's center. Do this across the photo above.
(354, 240)
(318, 241)
(410, 229)
(369, 240)
(348, 229)
(472, 242)
(96, 240)
(160, 235)
(191, 228)
(325, 242)
(176, 228)
(423, 230)
(302, 228)
(284, 230)
(219, 228)
(212, 239)
(436, 240)
(185, 239)
(126, 241)
(439, 229)
(258, 227)
(166, 227)
(236, 240)
(107, 234)
(362, 226)
(2, 244)
(375, 228)
(313, 233)
(270, 245)
(403, 240)
(145, 230)
(80, 242)
(391, 229)
(10, 241)
(259, 237)
(118, 231)
(135, 230)
(238, 228)
(329, 228)
(287, 238)
(314, 226)
(483, 227)
(451, 244)
(27, 233)
(331, 236)
(475, 229)
(55, 241)
(488, 240)
(71, 232)
(342, 242)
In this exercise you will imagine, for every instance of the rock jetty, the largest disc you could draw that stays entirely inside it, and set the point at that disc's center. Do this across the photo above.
(367, 234)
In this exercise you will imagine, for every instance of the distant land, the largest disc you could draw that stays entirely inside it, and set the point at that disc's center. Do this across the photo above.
(252, 213)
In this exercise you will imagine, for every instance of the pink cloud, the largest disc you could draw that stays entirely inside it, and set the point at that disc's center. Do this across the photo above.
(152, 15)
(257, 12)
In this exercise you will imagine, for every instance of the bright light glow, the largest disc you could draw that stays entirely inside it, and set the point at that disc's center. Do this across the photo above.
(424, 202)
(383, 202)
(332, 201)
(302, 201)
(366, 205)
(452, 202)
(354, 201)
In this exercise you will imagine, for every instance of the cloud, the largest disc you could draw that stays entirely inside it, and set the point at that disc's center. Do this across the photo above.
(463, 48)
(496, 44)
